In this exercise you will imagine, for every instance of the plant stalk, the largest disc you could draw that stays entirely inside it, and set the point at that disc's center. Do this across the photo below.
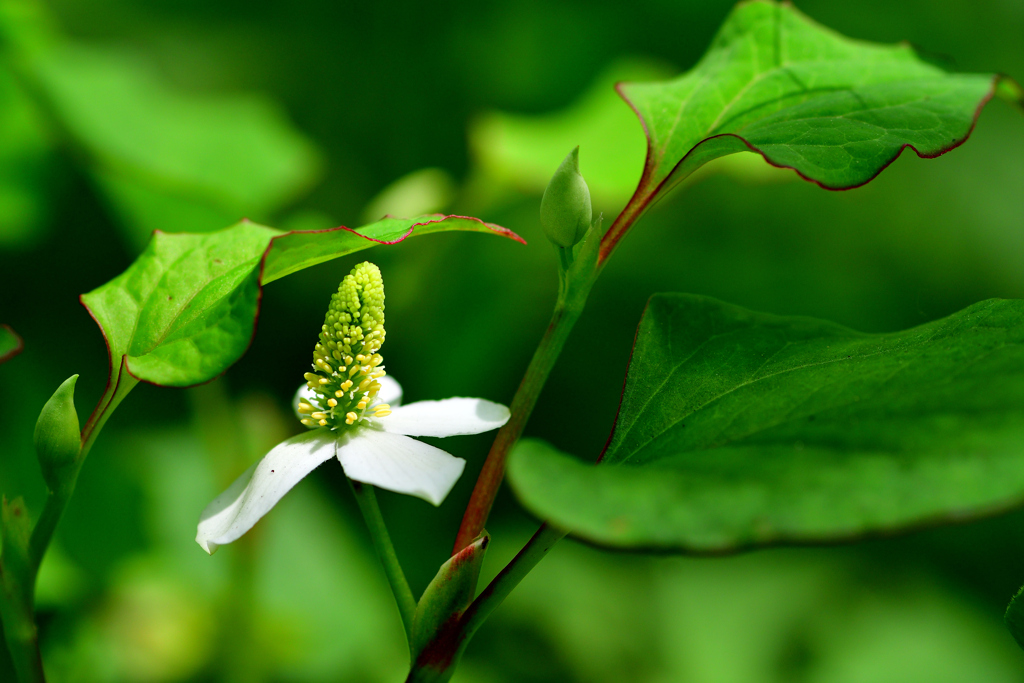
(20, 631)
(18, 613)
(567, 312)
(367, 500)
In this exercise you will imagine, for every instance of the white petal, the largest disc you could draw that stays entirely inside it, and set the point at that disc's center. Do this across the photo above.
(252, 495)
(450, 417)
(398, 463)
(390, 391)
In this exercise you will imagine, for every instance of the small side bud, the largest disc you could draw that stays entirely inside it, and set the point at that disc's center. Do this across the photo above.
(57, 438)
(565, 211)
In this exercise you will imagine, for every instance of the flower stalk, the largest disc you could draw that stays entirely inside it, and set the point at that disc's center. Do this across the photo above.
(367, 500)
(578, 268)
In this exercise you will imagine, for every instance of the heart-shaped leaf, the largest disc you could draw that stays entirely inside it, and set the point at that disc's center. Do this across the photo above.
(835, 110)
(741, 429)
(10, 343)
(186, 309)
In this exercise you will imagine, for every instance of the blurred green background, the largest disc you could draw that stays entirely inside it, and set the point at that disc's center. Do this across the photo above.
(118, 117)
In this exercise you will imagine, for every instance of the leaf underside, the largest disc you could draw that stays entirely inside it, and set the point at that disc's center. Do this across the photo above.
(186, 309)
(10, 343)
(740, 429)
(835, 110)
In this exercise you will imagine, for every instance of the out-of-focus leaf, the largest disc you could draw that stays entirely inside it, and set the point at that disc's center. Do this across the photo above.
(836, 110)
(524, 150)
(10, 343)
(425, 191)
(186, 309)
(323, 609)
(143, 208)
(24, 149)
(1014, 617)
(741, 429)
(164, 155)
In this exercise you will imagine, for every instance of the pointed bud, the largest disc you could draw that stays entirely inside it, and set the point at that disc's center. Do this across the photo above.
(447, 596)
(565, 211)
(57, 436)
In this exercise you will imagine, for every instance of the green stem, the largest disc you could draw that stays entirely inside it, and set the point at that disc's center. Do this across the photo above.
(18, 605)
(21, 633)
(508, 578)
(571, 300)
(367, 500)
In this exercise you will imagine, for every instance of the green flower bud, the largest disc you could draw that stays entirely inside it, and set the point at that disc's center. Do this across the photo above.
(565, 212)
(57, 438)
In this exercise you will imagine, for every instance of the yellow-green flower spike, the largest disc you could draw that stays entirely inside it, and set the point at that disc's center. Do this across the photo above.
(346, 360)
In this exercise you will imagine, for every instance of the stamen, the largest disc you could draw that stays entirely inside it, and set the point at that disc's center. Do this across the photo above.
(345, 358)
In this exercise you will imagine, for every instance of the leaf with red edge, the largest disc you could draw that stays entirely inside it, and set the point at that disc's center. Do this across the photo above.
(186, 309)
(10, 343)
(835, 110)
(298, 250)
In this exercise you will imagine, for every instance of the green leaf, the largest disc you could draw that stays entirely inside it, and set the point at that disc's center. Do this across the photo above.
(302, 249)
(10, 343)
(165, 156)
(448, 594)
(740, 429)
(186, 309)
(1014, 617)
(835, 110)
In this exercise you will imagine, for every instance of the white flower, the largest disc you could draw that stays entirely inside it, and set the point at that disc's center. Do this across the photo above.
(376, 451)
(352, 411)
